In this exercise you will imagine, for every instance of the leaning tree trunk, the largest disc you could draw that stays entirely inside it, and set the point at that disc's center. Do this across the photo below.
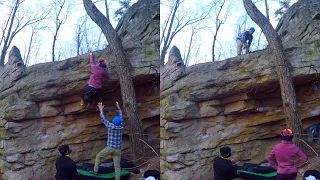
(288, 95)
(127, 89)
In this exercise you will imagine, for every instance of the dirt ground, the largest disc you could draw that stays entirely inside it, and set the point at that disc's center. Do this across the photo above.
(313, 159)
(154, 164)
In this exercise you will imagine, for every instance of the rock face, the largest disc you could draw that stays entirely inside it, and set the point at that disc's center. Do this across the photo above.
(39, 105)
(236, 102)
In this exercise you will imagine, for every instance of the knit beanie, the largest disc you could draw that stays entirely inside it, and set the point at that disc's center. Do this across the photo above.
(287, 134)
(102, 63)
(64, 149)
(225, 152)
(117, 120)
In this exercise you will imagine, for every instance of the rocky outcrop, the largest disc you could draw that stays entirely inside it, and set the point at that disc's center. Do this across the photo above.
(236, 102)
(39, 105)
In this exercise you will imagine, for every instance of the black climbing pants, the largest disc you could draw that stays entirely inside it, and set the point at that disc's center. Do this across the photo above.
(286, 176)
(90, 92)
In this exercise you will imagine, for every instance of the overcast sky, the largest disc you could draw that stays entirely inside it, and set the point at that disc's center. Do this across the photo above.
(226, 44)
(67, 31)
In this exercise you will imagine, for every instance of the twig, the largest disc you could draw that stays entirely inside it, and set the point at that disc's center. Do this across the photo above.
(149, 147)
(309, 147)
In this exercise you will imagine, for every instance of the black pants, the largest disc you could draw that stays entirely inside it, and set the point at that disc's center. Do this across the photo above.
(90, 92)
(287, 176)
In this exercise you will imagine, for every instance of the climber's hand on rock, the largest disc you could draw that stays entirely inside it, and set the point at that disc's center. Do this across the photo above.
(100, 106)
(117, 104)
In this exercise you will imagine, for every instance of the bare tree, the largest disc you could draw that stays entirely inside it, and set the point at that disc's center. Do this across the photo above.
(291, 110)
(59, 19)
(17, 20)
(80, 35)
(107, 9)
(85, 39)
(189, 47)
(30, 47)
(176, 21)
(123, 69)
(268, 17)
(218, 22)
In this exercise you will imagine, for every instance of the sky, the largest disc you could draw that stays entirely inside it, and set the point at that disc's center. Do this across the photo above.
(67, 32)
(226, 45)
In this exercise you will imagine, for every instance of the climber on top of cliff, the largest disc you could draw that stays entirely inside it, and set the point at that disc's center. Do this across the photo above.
(95, 81)
(242, 41)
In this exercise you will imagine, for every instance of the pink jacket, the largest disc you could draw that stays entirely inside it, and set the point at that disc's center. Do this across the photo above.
(97, 74)
(285, 154)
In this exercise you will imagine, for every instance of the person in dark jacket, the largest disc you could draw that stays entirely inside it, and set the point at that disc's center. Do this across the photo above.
(244, 41)
(223, 167)
(66, 167)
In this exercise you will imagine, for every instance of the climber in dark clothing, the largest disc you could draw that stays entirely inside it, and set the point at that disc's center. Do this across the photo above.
(223, 167)
(66, 167)
(242, 41)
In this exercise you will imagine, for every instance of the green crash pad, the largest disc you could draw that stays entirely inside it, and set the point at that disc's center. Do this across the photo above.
(267, 175)
(123, 172)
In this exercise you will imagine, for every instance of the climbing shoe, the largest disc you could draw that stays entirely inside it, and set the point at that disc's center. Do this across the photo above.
(81, 103)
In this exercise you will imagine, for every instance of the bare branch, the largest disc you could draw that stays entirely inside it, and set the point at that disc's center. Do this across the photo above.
(58, 23)
(8, 37)
(107, 9)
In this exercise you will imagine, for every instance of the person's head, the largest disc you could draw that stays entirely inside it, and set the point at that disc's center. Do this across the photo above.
(117, 120)
(251, 30)
(225, 152)
(287, 134)
(102, 63)
(64, 150)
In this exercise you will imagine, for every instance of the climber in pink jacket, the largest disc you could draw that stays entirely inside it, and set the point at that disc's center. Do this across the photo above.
(95, 81)
(283, 156)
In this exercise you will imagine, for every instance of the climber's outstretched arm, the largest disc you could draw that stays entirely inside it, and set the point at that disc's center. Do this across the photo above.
(119, 111)
(91, 61)
(103, 118)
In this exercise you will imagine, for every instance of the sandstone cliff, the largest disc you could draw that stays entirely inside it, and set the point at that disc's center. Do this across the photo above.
(237, 101)
(39, 105)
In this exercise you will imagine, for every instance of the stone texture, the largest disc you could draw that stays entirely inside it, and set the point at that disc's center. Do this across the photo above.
(39, 105)
(236, 102)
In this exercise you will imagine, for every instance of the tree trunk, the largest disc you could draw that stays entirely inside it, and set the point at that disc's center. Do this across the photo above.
(53, 45)
(127, 89)
(267, 9)
(288, 95)
(218, 25)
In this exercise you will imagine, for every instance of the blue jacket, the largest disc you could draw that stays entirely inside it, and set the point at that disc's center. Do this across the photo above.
(245, 36)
